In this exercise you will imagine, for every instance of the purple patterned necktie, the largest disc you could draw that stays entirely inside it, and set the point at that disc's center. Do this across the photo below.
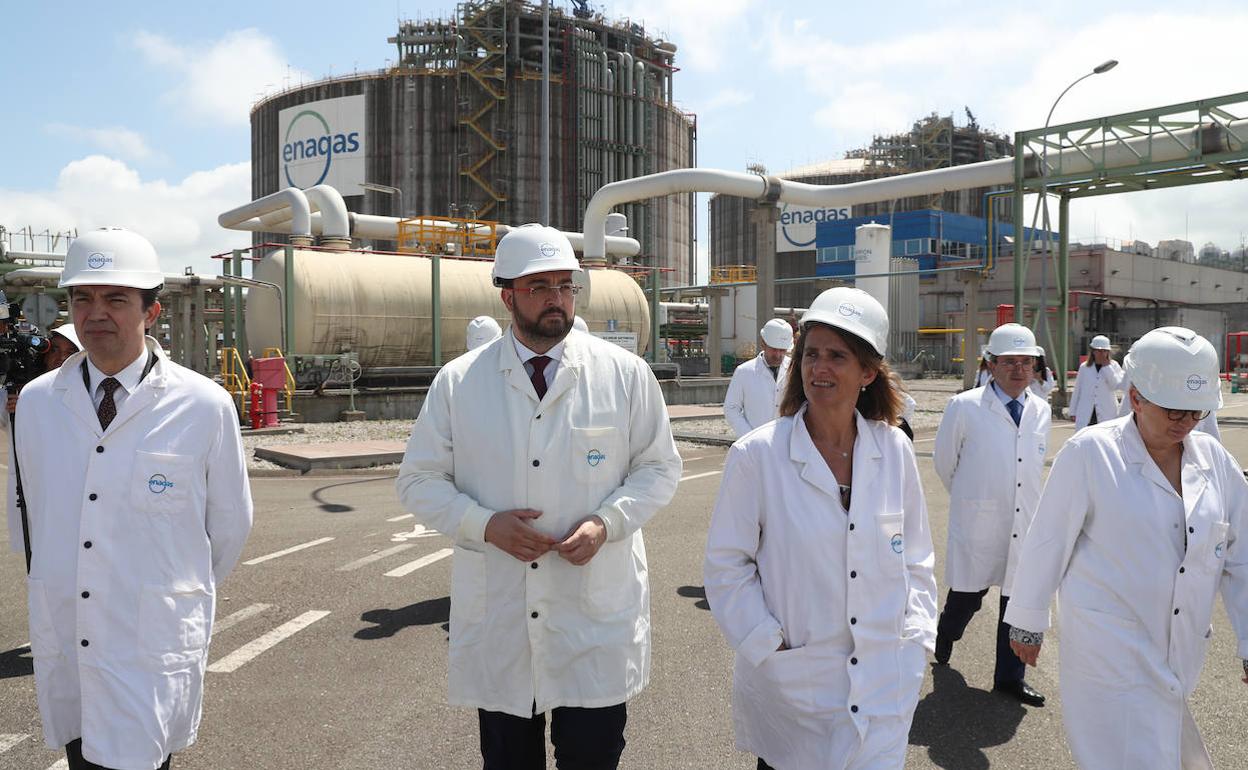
(539, 374)
(107, 409)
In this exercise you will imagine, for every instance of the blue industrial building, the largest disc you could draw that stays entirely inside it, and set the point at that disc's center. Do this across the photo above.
(934, 238)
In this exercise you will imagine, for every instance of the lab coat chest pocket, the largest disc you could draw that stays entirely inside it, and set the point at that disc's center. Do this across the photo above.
(162, 483)
(598, 459)
(174, 622)
(890, 544)
(1214, 551)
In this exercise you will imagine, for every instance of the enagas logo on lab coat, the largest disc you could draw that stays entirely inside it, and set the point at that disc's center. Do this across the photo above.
(1196, 382)
(895, 542)
(157, 484)
(593, 457)
(1219, 549)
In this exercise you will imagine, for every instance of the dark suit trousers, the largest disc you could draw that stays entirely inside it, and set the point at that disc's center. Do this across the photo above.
(73, 752)
(960, 607)
(584, 739)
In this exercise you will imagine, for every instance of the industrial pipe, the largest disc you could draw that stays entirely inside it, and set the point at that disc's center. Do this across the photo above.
(290, 198)
(335, 225)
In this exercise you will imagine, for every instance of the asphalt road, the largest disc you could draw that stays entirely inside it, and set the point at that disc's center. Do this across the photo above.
(354, 671)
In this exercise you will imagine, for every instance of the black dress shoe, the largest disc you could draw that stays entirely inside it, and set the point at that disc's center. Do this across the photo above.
(944, 648)
(1021, 691)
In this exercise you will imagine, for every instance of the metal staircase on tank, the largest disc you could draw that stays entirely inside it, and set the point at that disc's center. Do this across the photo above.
(482, 91)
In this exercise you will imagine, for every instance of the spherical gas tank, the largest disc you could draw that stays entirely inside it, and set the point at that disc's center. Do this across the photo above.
(379, 306)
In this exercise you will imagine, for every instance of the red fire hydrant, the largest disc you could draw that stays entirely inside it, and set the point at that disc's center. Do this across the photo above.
(257, 405)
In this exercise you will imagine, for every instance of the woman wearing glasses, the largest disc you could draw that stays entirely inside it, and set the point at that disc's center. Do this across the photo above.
(1141, 523)
(819, 558)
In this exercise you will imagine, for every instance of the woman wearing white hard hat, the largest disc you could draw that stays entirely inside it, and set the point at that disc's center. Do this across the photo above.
(753, 397)
(1093, 398)
(482, 330)
(826, 502)
(1141, 523)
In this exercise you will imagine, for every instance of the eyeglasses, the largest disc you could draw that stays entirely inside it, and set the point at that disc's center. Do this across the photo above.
(1176, 415)
(1016, 363)
(545, 291)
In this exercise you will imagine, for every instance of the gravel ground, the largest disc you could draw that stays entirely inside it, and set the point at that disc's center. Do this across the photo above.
(374, 430)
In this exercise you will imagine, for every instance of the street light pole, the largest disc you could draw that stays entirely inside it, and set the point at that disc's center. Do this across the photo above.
(388, 190)
(1042, 312)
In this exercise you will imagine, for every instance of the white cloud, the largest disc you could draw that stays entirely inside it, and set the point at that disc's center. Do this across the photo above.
(726, 98)
(114, 140)
(221, 80)
(180, 218)
(702, 27)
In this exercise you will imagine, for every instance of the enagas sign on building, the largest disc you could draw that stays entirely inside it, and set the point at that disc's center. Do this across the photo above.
(323, 143)
(796, 229)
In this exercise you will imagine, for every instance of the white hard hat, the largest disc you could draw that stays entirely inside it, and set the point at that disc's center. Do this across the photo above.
(532, 249)
(112, 256)
(67, 331)
(1100, 342)
(1176, 368)
(481, 330)
(851, 310)
(579, 324)
(777, 334)
(1012, 340)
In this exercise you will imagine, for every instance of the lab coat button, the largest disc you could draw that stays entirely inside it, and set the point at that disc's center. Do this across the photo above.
(533, 614)
(92, 496)
(536, 463)
(853, 661)
(853, 621)
(853, 573)
(99, 450)
(1182, 570)
(533, 565)
(85, 643)
(1176, 610)
(854, 709)
(86, 594)
(87, 544)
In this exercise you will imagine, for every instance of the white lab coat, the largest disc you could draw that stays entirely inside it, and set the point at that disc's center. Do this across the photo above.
(754, 396)
(1208, 425)
(1095, 389)
(599, 443)
(171, 514)
(1043, 388)
(992, 470)
(1135, 604)
(852, 595)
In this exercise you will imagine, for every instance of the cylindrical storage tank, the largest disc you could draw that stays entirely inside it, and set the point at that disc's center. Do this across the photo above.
(379, 306)
(872, 247)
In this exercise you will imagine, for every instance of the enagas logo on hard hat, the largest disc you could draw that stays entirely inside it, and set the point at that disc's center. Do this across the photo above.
(849, 310)
(99, 259)
(1019, 342)
(1196, 382)
(548, 250)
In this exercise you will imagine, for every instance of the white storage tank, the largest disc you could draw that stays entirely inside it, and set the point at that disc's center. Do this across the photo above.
(379, 305)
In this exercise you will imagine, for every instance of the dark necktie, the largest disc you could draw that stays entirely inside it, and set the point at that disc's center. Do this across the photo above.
(1016, 410)
(539, 374)
(107, 409)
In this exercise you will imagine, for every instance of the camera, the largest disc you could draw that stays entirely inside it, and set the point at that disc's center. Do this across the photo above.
(22, 346)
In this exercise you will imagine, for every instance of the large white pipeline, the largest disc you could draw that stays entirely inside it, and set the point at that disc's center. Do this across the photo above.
(1174, 146)
(289, 199)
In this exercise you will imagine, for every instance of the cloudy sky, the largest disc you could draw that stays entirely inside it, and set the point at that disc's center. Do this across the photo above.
(135, 116)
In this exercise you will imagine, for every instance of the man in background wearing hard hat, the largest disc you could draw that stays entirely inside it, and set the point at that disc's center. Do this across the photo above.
(541, 455)
(138, 502)
(753, 397)
(482, 330)
(989, 454)
(1093, 399)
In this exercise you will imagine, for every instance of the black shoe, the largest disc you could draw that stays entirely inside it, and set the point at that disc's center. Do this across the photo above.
(1021, 691)
(944, 648)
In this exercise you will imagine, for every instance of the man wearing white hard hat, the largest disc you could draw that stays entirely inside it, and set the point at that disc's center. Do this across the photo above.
(62, 343)
(542, 455)
(579, 324)
(138, 504)
(1208, 425)
(754, 393)
(1142, 523)
(989, 454)
(1093, 399)
(481, 330)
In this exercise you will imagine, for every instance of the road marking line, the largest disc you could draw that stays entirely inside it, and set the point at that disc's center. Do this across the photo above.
(9, 741)
(414, 533)
(240, 657)
(233, 619)
(372, 557)
(292, 549)
(423, 561)
(701, 475)
(63, 764)
(401, 518)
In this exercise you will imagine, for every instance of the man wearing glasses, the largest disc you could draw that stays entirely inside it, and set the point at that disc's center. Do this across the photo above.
(989, 454)
(542, 454)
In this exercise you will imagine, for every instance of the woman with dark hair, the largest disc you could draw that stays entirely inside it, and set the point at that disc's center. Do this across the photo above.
(819, 562)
